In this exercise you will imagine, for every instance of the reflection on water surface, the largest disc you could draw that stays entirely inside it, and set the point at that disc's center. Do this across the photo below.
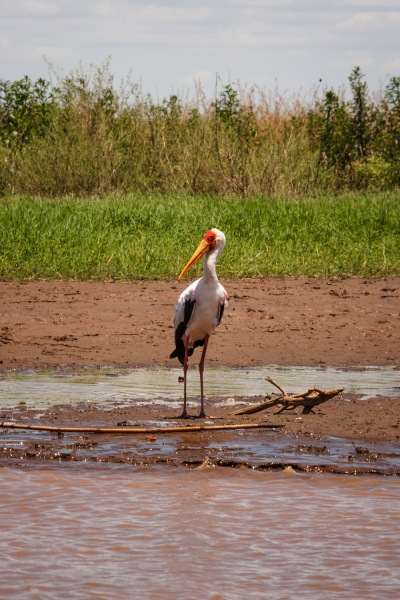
(45, 388)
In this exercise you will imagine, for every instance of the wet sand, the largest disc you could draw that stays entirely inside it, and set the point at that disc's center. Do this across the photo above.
(292, 321)
(345, 435)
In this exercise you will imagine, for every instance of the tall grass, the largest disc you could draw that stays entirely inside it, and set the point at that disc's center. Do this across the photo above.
(83, 137)
(151, 237)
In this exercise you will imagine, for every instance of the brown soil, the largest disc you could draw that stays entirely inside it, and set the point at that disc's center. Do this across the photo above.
(294, 321)
(291, 321)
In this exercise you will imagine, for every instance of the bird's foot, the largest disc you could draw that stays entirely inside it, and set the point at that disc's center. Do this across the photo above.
(204, 416)
(184, 415)
(200, 416)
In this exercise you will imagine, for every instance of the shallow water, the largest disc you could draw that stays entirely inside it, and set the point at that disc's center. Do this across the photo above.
(261, 449)
(78, 532)
(40, 389)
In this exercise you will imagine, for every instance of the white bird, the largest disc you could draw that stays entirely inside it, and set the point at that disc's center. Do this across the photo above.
(200, 308)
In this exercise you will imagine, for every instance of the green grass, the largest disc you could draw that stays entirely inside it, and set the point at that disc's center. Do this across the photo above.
(139, 237)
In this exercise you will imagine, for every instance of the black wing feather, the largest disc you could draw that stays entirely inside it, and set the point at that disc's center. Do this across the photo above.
(179, 351)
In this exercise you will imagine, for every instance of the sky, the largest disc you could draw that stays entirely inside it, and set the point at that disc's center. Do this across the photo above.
(170, 46)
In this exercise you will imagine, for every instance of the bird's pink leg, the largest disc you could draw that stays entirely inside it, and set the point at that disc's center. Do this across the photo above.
(201, 369)
(185, 368)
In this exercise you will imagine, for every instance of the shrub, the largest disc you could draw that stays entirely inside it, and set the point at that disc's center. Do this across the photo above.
(83, 137)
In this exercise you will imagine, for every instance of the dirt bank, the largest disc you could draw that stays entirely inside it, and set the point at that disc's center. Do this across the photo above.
(292, 321)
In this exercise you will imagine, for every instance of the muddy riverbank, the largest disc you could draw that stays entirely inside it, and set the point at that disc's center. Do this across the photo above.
(289, 321)
(350, 323)
(346, 435)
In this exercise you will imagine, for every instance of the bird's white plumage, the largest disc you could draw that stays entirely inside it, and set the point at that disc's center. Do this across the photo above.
(208, 294)
(199, 309)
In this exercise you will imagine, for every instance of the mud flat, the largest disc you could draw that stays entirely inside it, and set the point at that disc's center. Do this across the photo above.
(350, 324)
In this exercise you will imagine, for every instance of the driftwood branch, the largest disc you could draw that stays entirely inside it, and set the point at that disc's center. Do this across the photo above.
(308, 400)
(135, 430)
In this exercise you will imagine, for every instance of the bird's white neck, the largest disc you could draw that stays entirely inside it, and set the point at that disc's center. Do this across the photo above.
(211, 257)
(210, 263)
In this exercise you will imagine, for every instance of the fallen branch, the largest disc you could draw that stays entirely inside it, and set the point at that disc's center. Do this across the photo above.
(309, 400)
(135, 430)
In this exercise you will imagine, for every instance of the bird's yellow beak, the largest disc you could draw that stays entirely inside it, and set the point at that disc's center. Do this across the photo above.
(201, 250)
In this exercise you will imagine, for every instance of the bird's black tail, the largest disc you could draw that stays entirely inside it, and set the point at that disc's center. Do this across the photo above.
(177, 354)
(179, 351)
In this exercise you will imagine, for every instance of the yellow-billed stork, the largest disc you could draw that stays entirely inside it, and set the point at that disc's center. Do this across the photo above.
(200, 308)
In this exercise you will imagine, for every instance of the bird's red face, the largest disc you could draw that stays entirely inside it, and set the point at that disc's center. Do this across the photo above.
(210, 237)
(209, 240)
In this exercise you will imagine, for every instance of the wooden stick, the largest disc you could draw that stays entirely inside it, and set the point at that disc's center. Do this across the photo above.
(249, 410)
(309, 399)
(270, 380)
(136, 430)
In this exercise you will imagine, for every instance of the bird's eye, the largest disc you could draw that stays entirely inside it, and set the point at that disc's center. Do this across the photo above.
(210, 237)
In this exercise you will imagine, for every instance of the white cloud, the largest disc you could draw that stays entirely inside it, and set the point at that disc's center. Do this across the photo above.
(375, 5)
(369, 22)
(171, 43)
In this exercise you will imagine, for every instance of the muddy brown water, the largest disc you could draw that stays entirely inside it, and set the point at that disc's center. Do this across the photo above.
(255, 515)
(88, 531)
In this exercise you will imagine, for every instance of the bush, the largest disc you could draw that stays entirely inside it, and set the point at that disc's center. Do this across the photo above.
(84, 138)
